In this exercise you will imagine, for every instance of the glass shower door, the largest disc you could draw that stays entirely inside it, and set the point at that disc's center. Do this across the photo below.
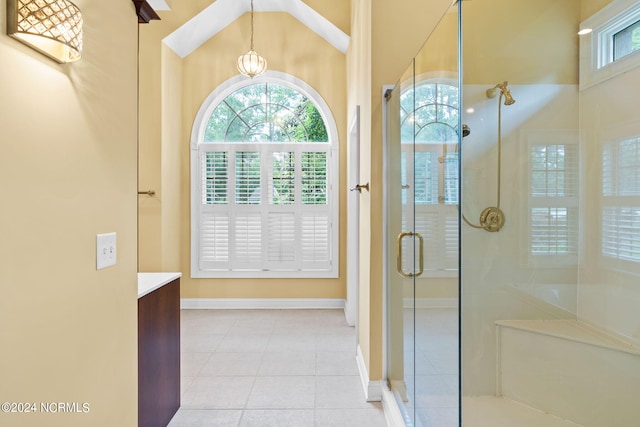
(423, 122)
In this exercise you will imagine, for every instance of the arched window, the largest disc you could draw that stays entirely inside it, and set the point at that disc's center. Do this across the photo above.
(264, 168)
(429, 120)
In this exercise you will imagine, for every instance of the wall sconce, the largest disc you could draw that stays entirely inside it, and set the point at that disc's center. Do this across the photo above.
(52, 27)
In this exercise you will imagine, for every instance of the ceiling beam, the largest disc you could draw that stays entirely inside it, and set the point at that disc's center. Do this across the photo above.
(214, 18)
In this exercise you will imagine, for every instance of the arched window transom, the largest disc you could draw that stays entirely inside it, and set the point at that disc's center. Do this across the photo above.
(266, 112)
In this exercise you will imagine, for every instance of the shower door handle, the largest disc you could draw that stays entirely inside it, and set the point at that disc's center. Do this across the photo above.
(399, 266)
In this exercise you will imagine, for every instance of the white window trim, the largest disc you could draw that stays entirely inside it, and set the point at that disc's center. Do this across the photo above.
(528, 139)
(596, 48)
(197, 137)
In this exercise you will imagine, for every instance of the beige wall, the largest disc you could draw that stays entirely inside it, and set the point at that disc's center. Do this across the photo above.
(589, 7)
(170, 159)
(289, 47)
(440, 52)
(160, 140)
(150, 152)
(527, 42)
(67, 173)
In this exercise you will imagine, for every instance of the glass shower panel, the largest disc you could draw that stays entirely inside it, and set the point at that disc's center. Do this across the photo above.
(520, 200)
(423, 123)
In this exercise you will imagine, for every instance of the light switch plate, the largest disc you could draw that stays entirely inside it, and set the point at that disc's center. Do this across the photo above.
(105, 250)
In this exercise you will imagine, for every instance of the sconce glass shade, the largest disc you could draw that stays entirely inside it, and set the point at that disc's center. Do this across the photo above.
(251, 64)
(52, 27)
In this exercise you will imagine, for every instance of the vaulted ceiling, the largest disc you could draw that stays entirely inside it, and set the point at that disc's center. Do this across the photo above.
(219, 14)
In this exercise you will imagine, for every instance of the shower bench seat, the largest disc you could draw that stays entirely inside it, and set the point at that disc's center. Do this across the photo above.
(569, 369)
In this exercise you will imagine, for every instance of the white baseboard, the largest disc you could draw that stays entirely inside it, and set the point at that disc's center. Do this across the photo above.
(349, 315)
(372, 389)
(431, 303)
(262, 303)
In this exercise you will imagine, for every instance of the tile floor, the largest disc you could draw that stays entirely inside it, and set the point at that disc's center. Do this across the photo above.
(271, 368)
(297, 368)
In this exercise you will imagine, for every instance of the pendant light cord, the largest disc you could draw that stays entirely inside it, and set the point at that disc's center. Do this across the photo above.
(251, 24)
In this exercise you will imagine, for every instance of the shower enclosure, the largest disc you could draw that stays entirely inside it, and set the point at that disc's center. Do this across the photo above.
(512, 197)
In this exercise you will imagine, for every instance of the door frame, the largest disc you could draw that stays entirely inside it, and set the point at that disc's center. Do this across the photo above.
(353, 221)
(395, 415)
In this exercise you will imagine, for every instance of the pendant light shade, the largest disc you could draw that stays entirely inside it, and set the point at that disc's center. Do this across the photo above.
(251, 64)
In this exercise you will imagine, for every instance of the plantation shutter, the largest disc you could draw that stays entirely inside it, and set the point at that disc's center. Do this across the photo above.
(281, 217)
(621, 233)
(451, 240)
(553, 200)
(434, 191)
(282, 240)
(621, 200)
(438, 225)
(215, 239)
(214, 223)
(247, 242)
(315, 227)
(244, 230)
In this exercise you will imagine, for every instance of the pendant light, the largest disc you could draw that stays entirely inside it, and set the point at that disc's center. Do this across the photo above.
(251, 64)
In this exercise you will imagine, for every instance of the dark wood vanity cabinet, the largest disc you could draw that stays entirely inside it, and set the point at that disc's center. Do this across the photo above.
(159, 355)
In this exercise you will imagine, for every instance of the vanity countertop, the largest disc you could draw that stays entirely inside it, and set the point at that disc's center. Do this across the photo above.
(149, 282)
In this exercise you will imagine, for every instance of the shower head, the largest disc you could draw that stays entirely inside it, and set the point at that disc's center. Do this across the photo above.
(508, 99)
